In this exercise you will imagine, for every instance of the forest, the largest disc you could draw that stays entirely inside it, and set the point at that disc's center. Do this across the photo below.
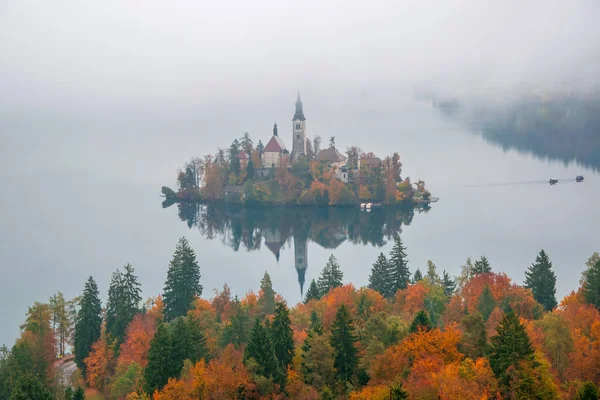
(402, 335)
(237, 176)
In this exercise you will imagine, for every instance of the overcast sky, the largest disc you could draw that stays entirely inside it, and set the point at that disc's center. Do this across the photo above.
(81, 55)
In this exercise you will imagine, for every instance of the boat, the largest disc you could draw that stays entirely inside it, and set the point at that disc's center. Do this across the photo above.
(553, 181)
(579, 178)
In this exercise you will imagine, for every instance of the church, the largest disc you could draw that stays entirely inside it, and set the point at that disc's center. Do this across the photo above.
(275, 154)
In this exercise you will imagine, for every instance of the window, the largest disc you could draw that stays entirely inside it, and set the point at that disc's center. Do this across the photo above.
(297, 126)
(297, 136)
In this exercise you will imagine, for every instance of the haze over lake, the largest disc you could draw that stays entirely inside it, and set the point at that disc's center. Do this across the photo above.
(84, 199)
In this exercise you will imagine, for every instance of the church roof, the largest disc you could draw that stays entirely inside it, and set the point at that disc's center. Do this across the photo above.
(330, 155)
(299, 114)
(275, 145)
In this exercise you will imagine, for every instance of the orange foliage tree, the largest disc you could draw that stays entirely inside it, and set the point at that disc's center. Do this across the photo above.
(138, 336)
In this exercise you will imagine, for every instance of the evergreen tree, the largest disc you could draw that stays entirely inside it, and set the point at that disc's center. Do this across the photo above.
(30, 388)
(587, 391)
(541, 280)
(312, 293)
(343, 340)
(449, 284)
(397, 393)
(79, 394)
(509, 348)
(260, 349)
(283, 336)
(260, 147)
(473, 341)
(421, 321)
(417, 276)
(88, 324)
(250, 170)
(236, 331)
(234, 160)
(183, 281)
(399, 272)
(331, 276)
(189, 342)
(432, 274)
(482, 266)
(591, 284)
(266, 301)
(160, 366)
(378, 279)
(486, 303)
(246, 143)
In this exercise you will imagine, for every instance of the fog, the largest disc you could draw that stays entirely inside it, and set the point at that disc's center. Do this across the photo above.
(170, 59)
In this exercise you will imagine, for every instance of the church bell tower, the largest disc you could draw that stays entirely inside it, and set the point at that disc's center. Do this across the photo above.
(299, 131)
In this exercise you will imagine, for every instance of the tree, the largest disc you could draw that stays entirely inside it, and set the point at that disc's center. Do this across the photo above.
(396, 166)
(189, 342)
(123, 302)
(510, 346)
(432, 274)
(236, 332)
(399, 272)
(421, 322)
(473, 341)
(196, 167)
(332, 142)
(312, 293)
(234, 159)
(378, 280)
(183, 281)
(482, 266)
(317, 361)
(417, 276)
(266, 301)
(246, 143)
(61, 321)
(587, 391)
(449, 284)
(486, 303)
(591, 284)
(317, 144)
(540, 278)
(310, 153)
(250, 170)
(331, 276)
(160, 361)
(283, 336)
(30, 388)
(79, 394)
(260, 349)
(88, 324)
(99, 364)
(343, 340)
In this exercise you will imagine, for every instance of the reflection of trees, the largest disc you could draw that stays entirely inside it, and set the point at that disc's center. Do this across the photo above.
(238, 226)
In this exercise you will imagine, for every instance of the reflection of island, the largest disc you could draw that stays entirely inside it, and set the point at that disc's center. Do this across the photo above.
(329, 227)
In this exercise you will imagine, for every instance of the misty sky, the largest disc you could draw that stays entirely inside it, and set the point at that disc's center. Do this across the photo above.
(69, 57)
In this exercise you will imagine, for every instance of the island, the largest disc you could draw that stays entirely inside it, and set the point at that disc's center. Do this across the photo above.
(307, 175)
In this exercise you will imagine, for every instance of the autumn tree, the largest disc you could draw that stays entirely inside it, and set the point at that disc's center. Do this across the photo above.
(312, 293)
(540, 278)
(473, 341)
(266, 301)
(183, 281)
(61, 321)
(482, 266)
(399, 272)
(343, 340)
(260, 353)
(417, 276)
(331, 276)
(123, 302)
(378, 280)
(88, 324)
(591, 282)
(282, 336)
(99, 364)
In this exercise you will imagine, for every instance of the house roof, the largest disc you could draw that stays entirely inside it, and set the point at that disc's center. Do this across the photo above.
(275, 145)
(330, 155)
(242, 155)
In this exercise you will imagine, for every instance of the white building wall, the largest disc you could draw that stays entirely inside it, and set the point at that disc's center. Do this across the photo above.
(269, 158)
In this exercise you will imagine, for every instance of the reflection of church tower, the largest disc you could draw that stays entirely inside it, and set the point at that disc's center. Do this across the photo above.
(274, 241)
(301, 260)
(299, 131)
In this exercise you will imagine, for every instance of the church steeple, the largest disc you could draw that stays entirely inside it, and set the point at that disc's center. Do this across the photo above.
(299, 114)
(275, 129)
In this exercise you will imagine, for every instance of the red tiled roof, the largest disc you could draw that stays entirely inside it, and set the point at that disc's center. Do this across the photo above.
(275, 145)
(243, 155)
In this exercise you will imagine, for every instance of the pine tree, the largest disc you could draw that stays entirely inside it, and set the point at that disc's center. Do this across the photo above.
(189, 342)
(486, 303)
(79, 394)
(432, 274)
(260, 349)
(378, 279)
(266, 301)
(541, 280)
(183, 281)
(421, 321)
(160, 366)
(88, 324)
(449, 284)
(510, 346)
(398, 393)
(591, 284)
(236, 332)
(123, 302)
(417, 276)
(343, 340)
(482, 266)
(312, 293)
(283, 336)
(399, 272)
(587, 391)
(331, 276)
(30, 388)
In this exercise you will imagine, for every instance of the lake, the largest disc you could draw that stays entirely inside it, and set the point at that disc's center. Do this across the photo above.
(81, 197)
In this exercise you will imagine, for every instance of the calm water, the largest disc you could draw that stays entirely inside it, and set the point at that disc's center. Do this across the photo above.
(81, 197)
